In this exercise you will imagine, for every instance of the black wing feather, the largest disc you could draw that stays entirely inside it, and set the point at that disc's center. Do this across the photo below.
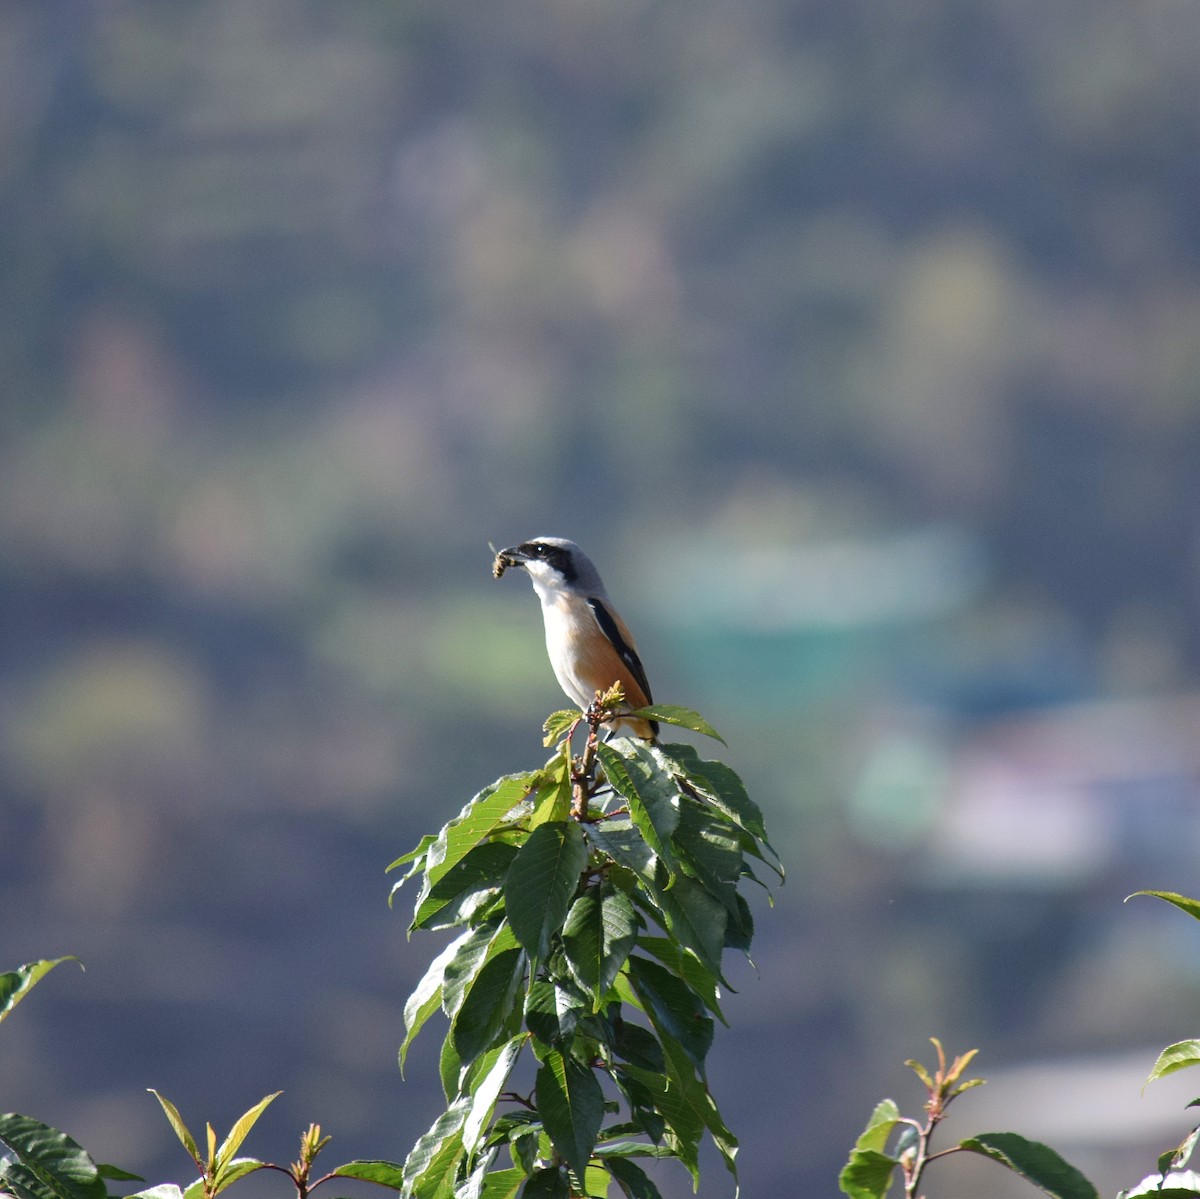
(626, 651)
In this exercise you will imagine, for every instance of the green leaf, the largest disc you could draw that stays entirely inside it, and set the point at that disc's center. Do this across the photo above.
(599, 932)
(459, 893)
(631, 1178)
(1175, 1057)
(718, 785)
(181, 1129)
(427, 995)
(552, 1011)
(232, 1170)
(689, 967)
(46, 1162)
(116, 1174)
(620, 840)
(463, 969)
(553, 800)
(502, 1184)
(541, 881)
(636, 775)
(547, 1183)
(1034, 1162)
(416, 857)
(387, 1174)
(1182, 902)
(238, 1133)
(432, 1163)
(487, 1005)
(481, 816)
(164, 1190)
(559, 723)
(695, 919)
(879, 1127)
(692, 1091)
(683, 718)
(684, 1122)
(484, 1096)
(867, 1175)
(675, 1010)
(16, 984)
(571, 1105)
(638, 1046)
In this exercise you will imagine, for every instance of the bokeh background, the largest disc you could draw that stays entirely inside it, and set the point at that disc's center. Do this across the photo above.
(859, 343)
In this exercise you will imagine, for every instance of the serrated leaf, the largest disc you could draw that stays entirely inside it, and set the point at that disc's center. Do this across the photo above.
(547, 1183)
(487, 1005)
(675, 1010)
(682, 718)
(638, 1046)
(46, 1161)
(695, 919)
(459, 893)
(718, 785)
(598, 934)
(631, 1178)
(232, 1170)
(635, 774)
(867, 1175)
(387, 1174)
(427, 995)
(684, 1123)
(181, 1129)
(164, 1190)
(16, 984)
(620, 840)
(437, 1152)
(693, 1091)
(571, 1105)
(116, 1174)
(484, 1096)
(238, 1133)
(1182, 902)
(541, 881)
(689, 967)
(502, 1184)
(553, 1009)
(484, 813)
(1175, 1057)
(559, 723)
(416, 857)
(1037, 1163)
(479, 945)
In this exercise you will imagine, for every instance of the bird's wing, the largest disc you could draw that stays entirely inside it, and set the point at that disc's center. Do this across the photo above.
(613, 628)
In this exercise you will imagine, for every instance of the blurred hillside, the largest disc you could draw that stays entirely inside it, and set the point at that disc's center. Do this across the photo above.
(858, 344)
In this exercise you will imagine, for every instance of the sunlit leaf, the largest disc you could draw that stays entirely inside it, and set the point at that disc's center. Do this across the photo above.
(547, 1183)
(45, 1161)
(637, 777)
(673, 1007)
(483, 814)
(1182, 902)
(436, 1154)
(1175, 1057)
(484, 1096)
(571, 1105)
(232, 1170)
(541, 881)
(487, 1005)
(599, 932)
(559, 723)
(181, 1129)
(553, 1009)
(16, 984)
(388, 1174)
(427, 995)
(238, 1133)
(632, 1179)
(683, 718)
(462, 890)
(1037, 1163)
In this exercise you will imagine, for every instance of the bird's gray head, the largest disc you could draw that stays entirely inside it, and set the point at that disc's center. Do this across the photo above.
(553, 563)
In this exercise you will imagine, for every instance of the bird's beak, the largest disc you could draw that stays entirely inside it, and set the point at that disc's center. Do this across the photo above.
(506, 558)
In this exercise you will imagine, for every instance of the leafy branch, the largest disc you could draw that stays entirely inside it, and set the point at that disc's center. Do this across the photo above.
(593, 900)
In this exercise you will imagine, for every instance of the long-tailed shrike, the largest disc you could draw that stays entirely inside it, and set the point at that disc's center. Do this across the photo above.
(589, 645)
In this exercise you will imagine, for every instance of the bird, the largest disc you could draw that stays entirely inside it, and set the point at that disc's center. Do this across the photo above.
(589, 645)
